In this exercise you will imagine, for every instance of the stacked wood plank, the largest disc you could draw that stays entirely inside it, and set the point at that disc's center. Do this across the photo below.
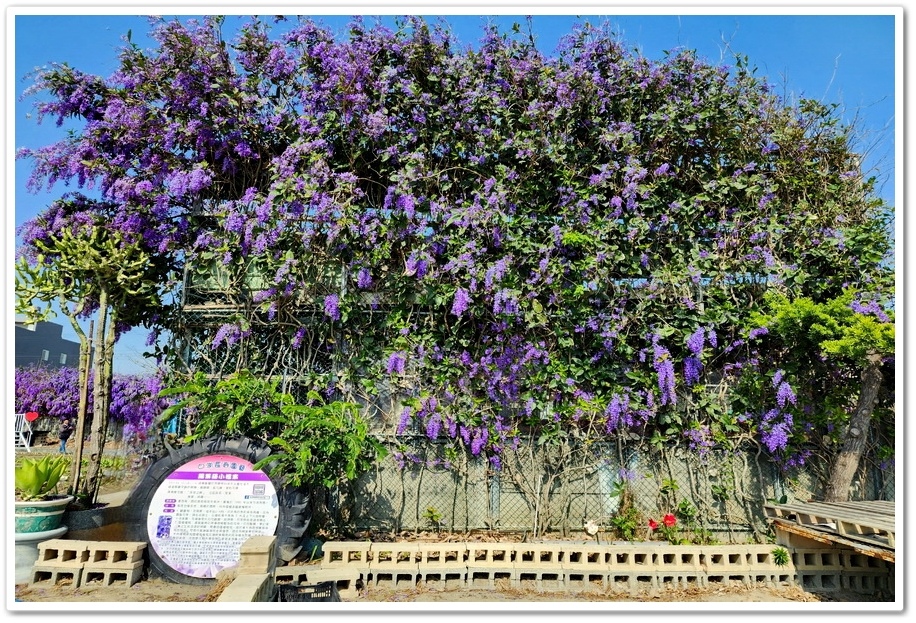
(869, 524)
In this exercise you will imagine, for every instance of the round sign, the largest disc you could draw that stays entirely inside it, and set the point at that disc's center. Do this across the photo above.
(203, 512)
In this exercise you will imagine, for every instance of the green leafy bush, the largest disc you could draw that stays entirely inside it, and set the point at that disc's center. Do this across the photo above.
(317, 443)
(627, 523)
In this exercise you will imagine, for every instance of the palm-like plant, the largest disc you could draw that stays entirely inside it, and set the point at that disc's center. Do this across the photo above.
(37, 478)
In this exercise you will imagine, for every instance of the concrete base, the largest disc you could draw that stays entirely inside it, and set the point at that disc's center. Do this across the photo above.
(27, 551)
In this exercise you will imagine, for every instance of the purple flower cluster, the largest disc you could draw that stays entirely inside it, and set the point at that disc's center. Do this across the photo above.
(700, 440)
(50, 392)
(433, 425)
(396, 362)
(404, 420)
(693, 367)
(461, 302)
(872, 308)
(664, 368)
(504, 302)
(363, 279)
(755, 333)
(775, 429)
(696, 341)
(135, 403)
(784, 395)
(618, 413)
(228, 334)
(332, 307)
(478, 439)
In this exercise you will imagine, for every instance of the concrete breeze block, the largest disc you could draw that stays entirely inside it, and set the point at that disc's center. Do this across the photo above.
(491, 554)
(394, 555)
(443, 555)
(257, 555)
(114, 552)
(51, 574)
(628, 567)
(62, 552)
(126, 573)
(587, 557)
(533, 555)
(343, 553)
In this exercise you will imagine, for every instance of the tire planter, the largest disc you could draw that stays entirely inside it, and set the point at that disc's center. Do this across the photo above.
(41, 515)
(195, 506)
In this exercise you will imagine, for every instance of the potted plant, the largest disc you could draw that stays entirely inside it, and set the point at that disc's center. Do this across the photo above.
(39, 507)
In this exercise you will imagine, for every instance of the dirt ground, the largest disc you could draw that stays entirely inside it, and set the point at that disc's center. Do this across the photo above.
(160, 590)
(157, 590)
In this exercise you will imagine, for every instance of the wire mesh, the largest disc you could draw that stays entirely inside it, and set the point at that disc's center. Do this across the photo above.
(718, 497)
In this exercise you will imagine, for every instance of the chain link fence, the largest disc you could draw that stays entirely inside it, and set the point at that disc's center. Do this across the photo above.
(542, 491)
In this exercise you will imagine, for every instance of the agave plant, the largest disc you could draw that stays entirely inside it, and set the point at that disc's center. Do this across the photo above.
(36, 478)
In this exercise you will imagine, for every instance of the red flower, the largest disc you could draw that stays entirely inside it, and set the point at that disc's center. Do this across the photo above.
(669, 520)
(653, 524)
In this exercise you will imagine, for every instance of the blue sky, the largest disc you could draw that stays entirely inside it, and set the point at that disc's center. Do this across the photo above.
(850, 59)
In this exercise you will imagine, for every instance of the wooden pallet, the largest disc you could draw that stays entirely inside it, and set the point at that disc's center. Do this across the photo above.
(871, 522)
(833, 539)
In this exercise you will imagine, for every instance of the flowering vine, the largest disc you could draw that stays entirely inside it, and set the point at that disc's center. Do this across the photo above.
(503, 240)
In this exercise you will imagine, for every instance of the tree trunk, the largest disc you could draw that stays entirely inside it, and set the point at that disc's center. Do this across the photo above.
(104, 352)
(85, 365)
(847, 461)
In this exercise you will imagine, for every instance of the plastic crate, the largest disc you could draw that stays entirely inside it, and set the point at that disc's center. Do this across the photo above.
(323, 591)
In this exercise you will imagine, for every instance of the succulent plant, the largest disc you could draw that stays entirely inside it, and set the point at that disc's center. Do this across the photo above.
(36, 478)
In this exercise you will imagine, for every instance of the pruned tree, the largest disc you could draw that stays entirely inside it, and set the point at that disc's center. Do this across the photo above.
(73, 257)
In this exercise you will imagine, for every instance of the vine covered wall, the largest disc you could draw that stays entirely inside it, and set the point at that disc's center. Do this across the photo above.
(485, 243)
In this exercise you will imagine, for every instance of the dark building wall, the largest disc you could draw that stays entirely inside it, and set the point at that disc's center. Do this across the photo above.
(42, 344)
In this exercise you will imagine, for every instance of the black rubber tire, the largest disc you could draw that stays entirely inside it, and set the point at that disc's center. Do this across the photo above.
(294, 504)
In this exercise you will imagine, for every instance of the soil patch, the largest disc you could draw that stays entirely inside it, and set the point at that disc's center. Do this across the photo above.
(159, 590)
(146, 590)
